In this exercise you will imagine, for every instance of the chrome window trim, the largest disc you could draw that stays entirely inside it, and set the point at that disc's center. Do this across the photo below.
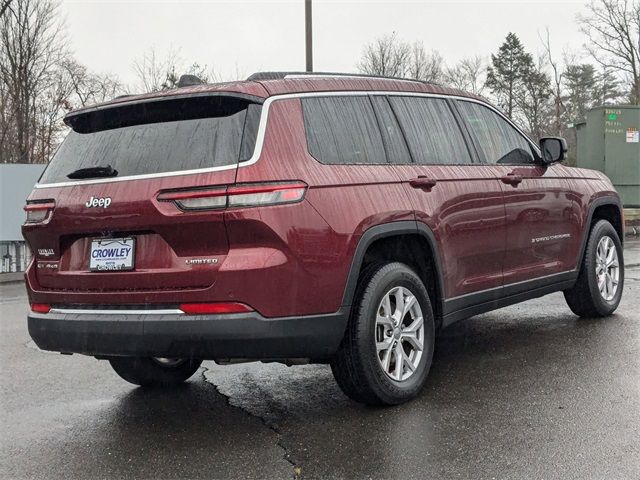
(257, 152)
(83, 311)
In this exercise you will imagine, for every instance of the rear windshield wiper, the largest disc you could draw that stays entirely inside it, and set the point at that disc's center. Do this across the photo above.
(93, 172)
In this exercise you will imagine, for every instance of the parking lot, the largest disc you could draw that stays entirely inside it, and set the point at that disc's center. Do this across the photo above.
(528, 391)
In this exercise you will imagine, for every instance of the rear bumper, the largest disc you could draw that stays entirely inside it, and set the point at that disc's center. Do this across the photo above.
(245, 335)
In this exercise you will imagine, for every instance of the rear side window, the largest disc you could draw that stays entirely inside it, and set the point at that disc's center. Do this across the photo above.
(431, 130)
(499, 141)
(159, 137)
(396, 147)
(250, 134)
(343, 130)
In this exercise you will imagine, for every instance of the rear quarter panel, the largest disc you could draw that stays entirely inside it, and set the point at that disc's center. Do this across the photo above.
(349, 198)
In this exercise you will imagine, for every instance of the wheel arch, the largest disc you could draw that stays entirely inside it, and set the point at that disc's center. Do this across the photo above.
(395, 241)
(603, 208)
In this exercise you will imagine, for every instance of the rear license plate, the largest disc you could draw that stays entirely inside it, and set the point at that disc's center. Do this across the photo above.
(112, 254)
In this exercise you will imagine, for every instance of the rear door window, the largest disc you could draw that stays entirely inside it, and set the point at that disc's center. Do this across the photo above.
(499, 142)
(158, 137)
(396, 147)
(343, 130)
(432, 132)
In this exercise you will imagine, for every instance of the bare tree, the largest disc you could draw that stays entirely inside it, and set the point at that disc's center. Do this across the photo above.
(152, 71)
(7, 126)
(72, 86)
(423, 65)
(532, 101)
(155, 73)
(4, 6)
(468, 74)
(557, 79)
(386, 56)
(31, 44)
(238, 74)
(87, 87)
(49, 109)
(613, 29)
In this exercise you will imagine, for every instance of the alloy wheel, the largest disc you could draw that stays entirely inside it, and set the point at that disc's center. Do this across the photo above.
(607, 268)
(399, 334)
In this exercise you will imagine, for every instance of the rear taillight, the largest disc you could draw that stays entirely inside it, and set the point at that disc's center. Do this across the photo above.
(247, 195)
(40, 307)
(38, 211)
(214, 308)
(201, 199)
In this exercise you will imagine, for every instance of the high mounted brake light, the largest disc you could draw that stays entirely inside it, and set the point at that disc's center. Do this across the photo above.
(246, 195)
(38, 211)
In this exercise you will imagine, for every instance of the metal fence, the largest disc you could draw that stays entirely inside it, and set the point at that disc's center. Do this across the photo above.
(14, 257)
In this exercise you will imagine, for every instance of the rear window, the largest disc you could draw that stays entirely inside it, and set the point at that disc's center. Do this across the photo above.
(159, 137)
(343, 130)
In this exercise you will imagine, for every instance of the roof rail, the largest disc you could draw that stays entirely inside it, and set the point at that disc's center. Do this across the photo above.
(319, 75)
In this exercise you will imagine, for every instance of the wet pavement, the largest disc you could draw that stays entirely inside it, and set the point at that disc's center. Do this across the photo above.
(528, 391)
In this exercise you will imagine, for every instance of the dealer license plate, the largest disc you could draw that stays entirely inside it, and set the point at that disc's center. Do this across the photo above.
(112, 254)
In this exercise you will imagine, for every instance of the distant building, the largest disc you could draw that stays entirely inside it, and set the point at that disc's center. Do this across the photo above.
(16, 182)
(609, 141)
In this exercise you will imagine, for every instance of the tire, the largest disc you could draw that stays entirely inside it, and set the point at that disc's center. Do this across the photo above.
(585, 299)
(154, 372)
(358, 366)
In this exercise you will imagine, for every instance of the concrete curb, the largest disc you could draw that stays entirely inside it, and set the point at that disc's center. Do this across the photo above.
(11, 277)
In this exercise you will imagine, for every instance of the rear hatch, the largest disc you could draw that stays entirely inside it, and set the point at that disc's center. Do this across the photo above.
(106, 229)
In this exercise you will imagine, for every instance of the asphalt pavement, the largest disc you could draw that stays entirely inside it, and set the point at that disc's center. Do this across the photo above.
(528, 391)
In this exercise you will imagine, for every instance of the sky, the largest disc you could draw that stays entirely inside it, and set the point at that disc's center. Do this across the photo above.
(241, 37)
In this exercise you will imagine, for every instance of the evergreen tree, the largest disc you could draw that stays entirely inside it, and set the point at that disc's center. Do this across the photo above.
(505, 75)
(608, 88)
(581, 90)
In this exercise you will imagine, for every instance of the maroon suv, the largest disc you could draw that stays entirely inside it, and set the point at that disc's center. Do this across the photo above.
(305, 218)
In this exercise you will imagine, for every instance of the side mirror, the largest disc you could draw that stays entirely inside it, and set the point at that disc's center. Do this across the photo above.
(553, 149)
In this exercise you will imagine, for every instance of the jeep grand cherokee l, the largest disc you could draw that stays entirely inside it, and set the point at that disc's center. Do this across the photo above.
(305, 218)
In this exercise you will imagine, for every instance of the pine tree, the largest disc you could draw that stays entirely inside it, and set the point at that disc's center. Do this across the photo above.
(608, 88)
(581, 87)
(505, 75)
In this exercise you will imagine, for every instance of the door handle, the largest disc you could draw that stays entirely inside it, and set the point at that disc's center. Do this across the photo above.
(423, 183)
(511, 179)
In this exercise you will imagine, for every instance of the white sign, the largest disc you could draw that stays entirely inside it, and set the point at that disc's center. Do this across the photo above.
(111, 254)
(633, 135)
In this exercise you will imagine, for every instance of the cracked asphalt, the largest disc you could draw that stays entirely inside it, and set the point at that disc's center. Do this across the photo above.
(527, 391)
